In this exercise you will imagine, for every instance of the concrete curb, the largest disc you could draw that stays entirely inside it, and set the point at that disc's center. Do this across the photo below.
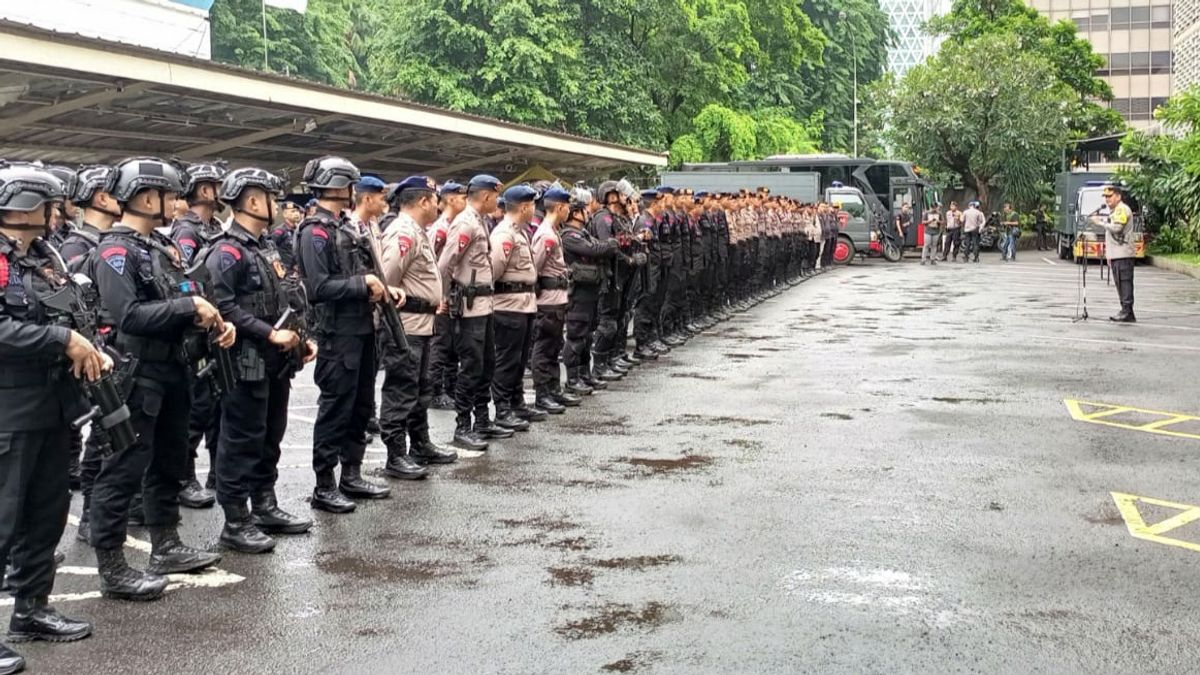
(1174, 266)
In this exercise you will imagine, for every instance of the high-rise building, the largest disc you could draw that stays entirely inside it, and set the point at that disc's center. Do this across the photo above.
(1135, 38)
(1186, 44)
(913, 44)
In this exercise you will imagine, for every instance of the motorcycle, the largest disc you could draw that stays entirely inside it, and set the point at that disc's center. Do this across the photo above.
(992, 234)
(885, 242)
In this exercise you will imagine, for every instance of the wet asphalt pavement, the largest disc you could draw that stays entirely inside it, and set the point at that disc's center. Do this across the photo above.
(873, 472)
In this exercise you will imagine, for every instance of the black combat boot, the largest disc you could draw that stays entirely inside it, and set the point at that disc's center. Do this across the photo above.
(576, 384)
(268, 517)
(354, 486)
(119, 581)
(192, 495)
(546, 401)
(645, 353)
(564, 398)
(326, 496)
(169, 555)
(602, 372)
(660, 347)
(465, 438)
(423, 450)
(84, 532)
(241, 534)
(401, 466)
(507, 419)
(442, 402)
(10, 661)
(486, 428)
(534, 413)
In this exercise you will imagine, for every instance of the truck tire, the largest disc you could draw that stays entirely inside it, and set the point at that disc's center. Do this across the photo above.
(843, 251)
(1064, 248)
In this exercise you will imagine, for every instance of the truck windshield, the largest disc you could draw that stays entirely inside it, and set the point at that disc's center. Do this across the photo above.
(1090, 201)
(851, 202)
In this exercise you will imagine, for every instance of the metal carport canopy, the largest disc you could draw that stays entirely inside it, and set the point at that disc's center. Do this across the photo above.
(75, 100)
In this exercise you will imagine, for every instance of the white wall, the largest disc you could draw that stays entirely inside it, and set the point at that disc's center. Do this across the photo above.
(168, 25)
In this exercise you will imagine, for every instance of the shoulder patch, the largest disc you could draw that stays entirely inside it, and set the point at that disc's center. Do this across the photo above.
(3, 271)
(549, 243)
(405, 243)
(231, 250)
(320, 239)
(115, 258)
(507, 248)
(225, 259)
(463, 241)
(188, 246)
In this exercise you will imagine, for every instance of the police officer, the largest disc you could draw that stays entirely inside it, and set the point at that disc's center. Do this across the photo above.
(515, 305)
(586, 257)
(1119, 248)
(553, 282)
(140, 277)
(93, 195)
(409, 263)
(248, 282)
(466, 269)
(343, 291)
(283, 236)
(39, 353)
(191, 233)
(443, 363)
(647, 310)
(604, 226)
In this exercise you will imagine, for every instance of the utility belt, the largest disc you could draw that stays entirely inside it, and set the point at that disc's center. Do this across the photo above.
(476, 291)
(418, 306)
(513, 288)
(553, 283)
(149, 350)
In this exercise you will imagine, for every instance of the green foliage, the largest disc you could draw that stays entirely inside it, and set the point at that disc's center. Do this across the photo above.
(985, 110)
(633, 71)
(1166, 176)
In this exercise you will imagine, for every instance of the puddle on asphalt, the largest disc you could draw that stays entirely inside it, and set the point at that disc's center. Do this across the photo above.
(390, 571)
(570, 576)
(571, 544)
(632, 662)
(613, 617)
(696, 376)
(638, 563)
(654, 466)
(714, 420)
(540, 523)
(956, 400)
(595, 426)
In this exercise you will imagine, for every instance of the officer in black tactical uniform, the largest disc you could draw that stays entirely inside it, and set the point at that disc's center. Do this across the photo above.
(40, 350)
(250, 286)
(93, 194)
(604, 226)
(343, 291)
(283, 235)
(161, 321)
(586, 257)
(192, 233)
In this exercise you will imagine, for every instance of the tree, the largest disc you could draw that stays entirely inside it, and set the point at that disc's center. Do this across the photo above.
(721, 134)
(986, 111)
(317, 45)
(1165, 174)
(1072, 58)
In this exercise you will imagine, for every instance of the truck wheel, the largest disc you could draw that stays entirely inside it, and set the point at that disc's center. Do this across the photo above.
(1064, 248)
(843, 251)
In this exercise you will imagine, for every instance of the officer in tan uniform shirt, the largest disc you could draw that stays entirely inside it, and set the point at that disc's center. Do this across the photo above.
(466, 269)
(515, 303)
(553, 280)
(408, 263)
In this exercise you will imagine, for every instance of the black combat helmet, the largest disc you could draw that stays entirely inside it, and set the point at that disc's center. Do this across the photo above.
(198, 174)
(330, 173)
(89, 179)
(605, 188)
(66, 176)
(24, 187)
(238, 180)
(145, 173)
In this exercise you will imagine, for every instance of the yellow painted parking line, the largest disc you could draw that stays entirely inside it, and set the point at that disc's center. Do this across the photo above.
(1099, 411)
(1127, 504)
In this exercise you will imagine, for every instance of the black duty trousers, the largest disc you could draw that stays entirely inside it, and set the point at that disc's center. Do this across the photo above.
(547, 345)
(345, 374)
(407, 391)
(34, 498)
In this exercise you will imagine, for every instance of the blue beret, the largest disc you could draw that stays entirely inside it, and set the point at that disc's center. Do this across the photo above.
(299, 201)
(452, 188)
(557, 195)
(664, 190)
(412, 183)
(649, 194)
(701, 194)
(486, 182)
(370, 184)
(311, 203)
(518, 194)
